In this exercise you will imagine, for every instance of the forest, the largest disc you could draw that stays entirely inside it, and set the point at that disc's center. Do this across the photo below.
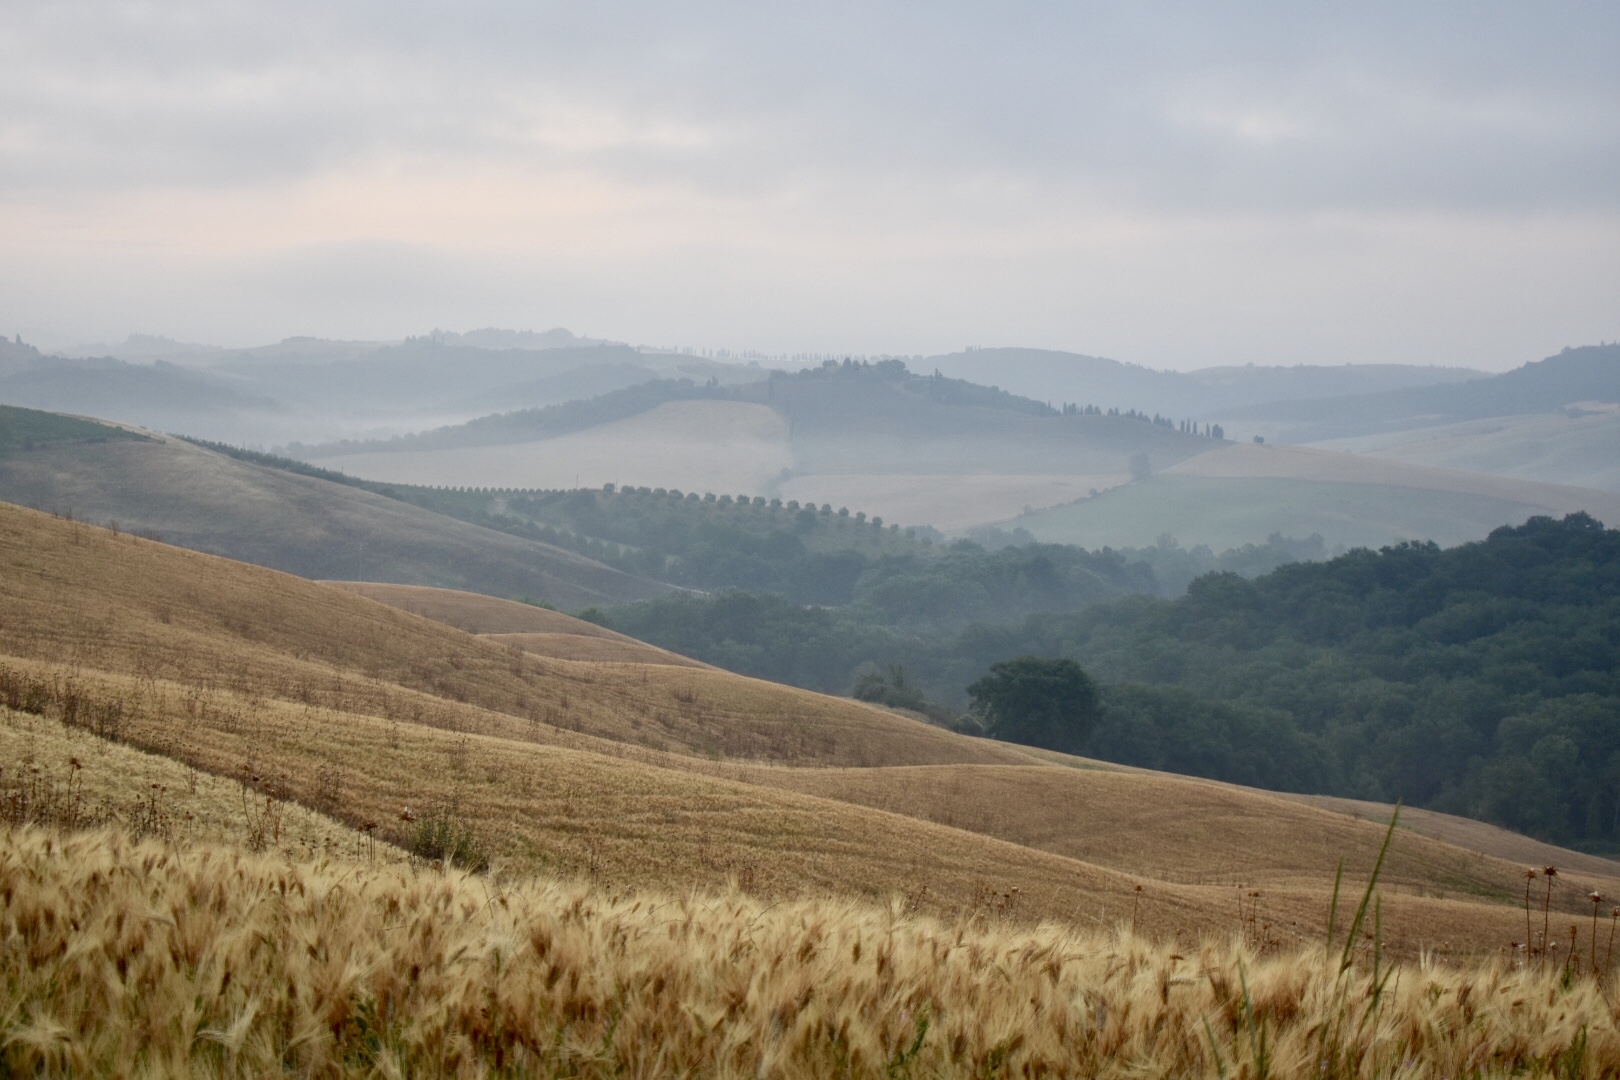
(1480, 680)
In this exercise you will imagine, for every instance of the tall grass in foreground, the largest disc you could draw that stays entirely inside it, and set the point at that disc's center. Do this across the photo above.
(121, 956)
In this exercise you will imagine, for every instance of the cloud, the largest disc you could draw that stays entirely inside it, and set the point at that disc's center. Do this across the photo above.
(872, 134)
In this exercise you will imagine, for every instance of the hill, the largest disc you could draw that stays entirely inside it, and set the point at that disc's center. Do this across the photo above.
(919, 446)
(159, 395)
(1589, 373)
(313, 694)
(1576, 445)
(1241, 493)
(551, 978)
(208, 501)
(1208, 393)
(1478, 680)
(532, 629)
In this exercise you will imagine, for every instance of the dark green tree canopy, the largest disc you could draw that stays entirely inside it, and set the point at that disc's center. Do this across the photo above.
(1037, 702)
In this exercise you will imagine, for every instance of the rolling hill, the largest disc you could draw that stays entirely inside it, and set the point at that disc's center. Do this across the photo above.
(909, 446)
(532, 629)
(1242, 493)
(195, 497)
(1587, 374)
(331, 700)
(1207, 394)
(1577, 445)
(159, 395)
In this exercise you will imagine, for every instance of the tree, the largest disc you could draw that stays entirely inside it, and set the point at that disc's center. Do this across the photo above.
(1141, 468)
(1037, 702)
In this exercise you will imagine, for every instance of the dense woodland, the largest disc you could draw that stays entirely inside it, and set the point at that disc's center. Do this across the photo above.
(1482, 680)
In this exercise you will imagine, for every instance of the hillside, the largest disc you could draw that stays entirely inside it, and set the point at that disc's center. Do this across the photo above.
(1242, 493)
(159, 395)
(1207, 393)
(532, 629)
(1587, 374)
(1578, 445)
(543, 977)
(914, 449)
(327, 698)
(207, 501)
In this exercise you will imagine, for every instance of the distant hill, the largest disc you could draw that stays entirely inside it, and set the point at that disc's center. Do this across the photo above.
(925, 447)
(1587, 374)
(1243, 493)
(315, 390)
(204, 500)
(1577, 445)
(160, 395)
(1207, 394)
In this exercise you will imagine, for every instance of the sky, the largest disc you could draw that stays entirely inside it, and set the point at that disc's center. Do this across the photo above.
(1176, 185)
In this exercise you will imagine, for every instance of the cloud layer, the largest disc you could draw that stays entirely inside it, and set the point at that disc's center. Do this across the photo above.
(1171, 183)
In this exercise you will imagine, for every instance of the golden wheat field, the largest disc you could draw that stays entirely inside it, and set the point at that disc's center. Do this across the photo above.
(127, 958)
(233, 802)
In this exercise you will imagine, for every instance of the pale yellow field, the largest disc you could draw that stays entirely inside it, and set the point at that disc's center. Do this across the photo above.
(721, 446)
(1576, 447)
(1248, 460)
(945, 500)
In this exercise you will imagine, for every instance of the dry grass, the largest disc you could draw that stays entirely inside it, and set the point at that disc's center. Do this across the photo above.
(475, 612)
(1469, 835)
(65, 777)
(595, 649)
(82, 597)
(646, 775)
(635, 818)
(136, 958)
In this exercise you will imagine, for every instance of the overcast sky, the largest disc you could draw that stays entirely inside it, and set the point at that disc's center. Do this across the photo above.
(1172, 184)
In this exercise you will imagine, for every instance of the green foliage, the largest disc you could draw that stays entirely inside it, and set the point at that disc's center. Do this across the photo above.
(1037, 702)
(440, 836)
(892, 688)
(1482, 680)
(29, 429)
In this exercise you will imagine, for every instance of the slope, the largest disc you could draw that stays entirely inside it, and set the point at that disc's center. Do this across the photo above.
(1578, 445)
(1589, 373)
(532, 629)
(1050, 375)
(304, 691)
(1243, 493)
(914, 449)
(210, 502)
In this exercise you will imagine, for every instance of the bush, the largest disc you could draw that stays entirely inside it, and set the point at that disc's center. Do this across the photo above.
(440, 836)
